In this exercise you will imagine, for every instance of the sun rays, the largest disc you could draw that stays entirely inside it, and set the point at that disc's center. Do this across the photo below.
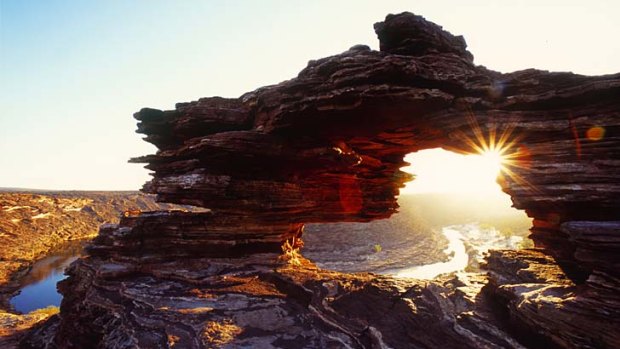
(484, 156)
(500, 144)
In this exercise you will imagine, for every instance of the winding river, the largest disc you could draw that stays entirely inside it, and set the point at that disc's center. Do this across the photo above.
(479, 239)
(457, 262)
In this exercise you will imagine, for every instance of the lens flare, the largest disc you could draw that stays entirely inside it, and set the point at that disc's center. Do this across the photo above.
(595, 133)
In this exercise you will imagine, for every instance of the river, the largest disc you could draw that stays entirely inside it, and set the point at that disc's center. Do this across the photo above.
(38, 287)
(465, 241)
(457, 262)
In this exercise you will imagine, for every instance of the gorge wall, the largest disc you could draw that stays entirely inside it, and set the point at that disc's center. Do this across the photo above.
(327, 146)
(34, 223)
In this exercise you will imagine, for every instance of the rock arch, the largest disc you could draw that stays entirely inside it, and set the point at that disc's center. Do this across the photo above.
(327, 146)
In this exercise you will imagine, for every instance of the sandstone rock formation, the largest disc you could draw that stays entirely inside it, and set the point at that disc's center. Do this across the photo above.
(327, 146)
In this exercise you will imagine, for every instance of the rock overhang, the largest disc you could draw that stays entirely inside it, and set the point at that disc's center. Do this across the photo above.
(353, 117)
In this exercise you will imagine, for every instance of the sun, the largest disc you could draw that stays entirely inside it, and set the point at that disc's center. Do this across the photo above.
(492, 161)
(441, 171)
(474, 173)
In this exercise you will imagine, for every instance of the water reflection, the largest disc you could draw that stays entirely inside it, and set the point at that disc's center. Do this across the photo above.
(38, 287)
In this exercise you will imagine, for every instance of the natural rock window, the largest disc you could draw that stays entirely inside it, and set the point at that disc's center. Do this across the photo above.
(450, 215)
(327, 147)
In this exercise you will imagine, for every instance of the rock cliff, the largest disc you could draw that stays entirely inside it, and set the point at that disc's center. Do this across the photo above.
(32, 223)
(327, 146)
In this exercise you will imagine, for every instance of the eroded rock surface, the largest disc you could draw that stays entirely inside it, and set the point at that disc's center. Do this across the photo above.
(260, 303)
(327, 146)
(545, 307)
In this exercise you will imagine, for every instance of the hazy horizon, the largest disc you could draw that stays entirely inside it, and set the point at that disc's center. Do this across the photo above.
(72, 73)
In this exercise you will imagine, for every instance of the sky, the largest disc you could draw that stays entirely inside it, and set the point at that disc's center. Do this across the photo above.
(72, 72)
(435, 169)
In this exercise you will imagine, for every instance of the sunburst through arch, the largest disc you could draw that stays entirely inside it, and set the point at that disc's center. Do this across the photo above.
(499, 147)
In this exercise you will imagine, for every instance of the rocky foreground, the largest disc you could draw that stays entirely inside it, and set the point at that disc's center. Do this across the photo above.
(327, 146)
(260, 302)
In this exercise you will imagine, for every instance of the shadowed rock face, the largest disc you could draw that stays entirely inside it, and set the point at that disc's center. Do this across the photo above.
(327, 146)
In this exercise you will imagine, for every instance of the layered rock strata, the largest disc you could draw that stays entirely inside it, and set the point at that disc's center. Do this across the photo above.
(545, 308)
(258, 303)
(327, 146)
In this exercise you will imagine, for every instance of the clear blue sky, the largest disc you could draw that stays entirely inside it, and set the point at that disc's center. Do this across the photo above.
(73, 72)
